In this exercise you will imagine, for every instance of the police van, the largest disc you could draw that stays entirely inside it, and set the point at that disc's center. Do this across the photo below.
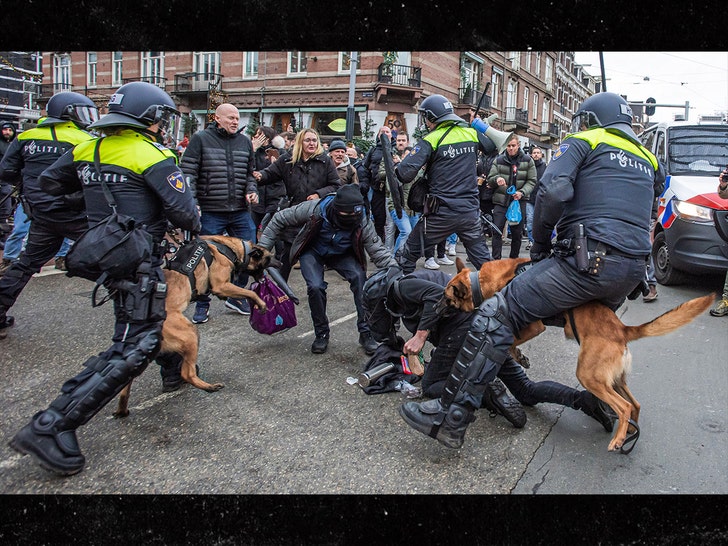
(691, 216)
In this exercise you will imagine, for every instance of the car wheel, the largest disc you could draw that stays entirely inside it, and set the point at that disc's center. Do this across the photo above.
(665, 273)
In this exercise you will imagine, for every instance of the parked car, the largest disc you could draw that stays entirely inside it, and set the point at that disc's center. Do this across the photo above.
(685, 238)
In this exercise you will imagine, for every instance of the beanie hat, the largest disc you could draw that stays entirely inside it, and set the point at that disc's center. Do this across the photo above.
(337, 145)
(347, 199)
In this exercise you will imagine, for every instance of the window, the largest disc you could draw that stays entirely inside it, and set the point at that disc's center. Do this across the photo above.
(207, 63)
(537, 65)
(153, 68)
(345, 61)
(511, 97)
(515, 57)
(545, 111)
(91, 60)
(61, 73)
(495, 86)
(525, 97)
(116, 68)
(528, 61)
(250, 64)
(471, 68)
(548, 76)
(297, 62)
(535, 107)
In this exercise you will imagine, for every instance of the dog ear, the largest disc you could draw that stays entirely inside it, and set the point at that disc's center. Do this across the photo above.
(459, 264)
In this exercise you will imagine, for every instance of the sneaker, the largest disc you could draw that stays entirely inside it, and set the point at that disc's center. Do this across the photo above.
(451, 249)
(497, 400)
(652, 296)
(444, 261)
(320, 344)
(367, 342)
(720, 310)
(202, 314)
(430, 263)
(239, 306)
(529, 244)
(6, 323)
(60, 263)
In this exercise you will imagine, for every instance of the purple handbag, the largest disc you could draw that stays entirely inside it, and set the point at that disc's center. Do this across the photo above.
(281, 313)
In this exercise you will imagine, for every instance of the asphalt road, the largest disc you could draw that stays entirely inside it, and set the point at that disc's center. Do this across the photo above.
(287, 421)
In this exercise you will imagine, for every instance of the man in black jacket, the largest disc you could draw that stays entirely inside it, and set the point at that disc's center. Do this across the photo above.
(6, 208)
(219, 164)
(537, 156)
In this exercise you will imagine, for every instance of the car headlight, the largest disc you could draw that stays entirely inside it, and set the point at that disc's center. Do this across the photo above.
(693, 213)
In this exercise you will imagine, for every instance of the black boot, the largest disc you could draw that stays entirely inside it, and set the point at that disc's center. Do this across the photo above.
(497, 400)
(446, 425)
(55, 450)
(596, 409)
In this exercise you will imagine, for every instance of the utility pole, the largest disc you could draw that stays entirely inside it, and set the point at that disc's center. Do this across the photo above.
(349, 135)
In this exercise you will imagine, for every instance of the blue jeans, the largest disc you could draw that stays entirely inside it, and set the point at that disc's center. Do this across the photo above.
(529, 220)
(312, 271)
(234, 224)
(21, 226)
(404, 225)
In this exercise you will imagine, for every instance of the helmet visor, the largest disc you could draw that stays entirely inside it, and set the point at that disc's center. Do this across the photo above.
(85, 115)
(584, 120)
(169, 121)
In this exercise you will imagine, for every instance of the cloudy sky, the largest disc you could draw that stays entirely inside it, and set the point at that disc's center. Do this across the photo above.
(669, 77)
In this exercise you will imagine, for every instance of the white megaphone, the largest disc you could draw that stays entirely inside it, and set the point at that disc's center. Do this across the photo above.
(499, 138)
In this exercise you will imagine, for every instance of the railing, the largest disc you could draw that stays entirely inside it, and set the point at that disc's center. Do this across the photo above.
(159, 81)
(194, 82)
(470, 96)
(400, 74)
(517, 116)
(549, 128)
(47, 90)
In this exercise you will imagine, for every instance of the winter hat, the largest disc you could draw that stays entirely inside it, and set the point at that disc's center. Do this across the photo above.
(337, 145)
(347, 199)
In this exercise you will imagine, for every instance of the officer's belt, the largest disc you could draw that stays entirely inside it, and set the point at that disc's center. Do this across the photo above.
(598, 247)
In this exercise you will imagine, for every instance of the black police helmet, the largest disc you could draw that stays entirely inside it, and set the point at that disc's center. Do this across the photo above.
(70, 106)
(437, 109)
(606, 110)
(139, 104)
(374, 298)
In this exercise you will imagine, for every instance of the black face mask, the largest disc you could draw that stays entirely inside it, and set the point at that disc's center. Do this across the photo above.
(347, 222)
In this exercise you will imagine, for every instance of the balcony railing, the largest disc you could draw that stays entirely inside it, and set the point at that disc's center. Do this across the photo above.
(549, 128)
(400, 74)
(47, 90)
(196, 82)
(517, 116)
(468, 95)
(159, 81)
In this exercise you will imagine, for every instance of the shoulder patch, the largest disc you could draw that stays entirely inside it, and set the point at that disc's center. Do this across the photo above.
(415, 150)
(177, 181)
(159, 146)
(562, 149)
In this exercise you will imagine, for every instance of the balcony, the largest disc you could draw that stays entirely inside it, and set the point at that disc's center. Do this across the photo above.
(549, 130)
(196, 82)
(159, 81)
(516, 118)
(398, 83)
(471, 97)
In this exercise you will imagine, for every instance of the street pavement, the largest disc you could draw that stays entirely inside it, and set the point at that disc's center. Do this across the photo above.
(288, 422)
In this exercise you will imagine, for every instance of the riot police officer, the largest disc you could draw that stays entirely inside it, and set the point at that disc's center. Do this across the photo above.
(53, 217)
(450, 153)
(146, 183)
(602, 182)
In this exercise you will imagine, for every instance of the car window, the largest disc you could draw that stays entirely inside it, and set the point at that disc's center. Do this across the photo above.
(697, 150)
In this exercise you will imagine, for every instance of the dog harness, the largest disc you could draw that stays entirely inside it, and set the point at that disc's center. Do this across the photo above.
(189, 255)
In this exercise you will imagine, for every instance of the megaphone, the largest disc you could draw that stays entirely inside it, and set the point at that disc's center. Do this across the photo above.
(499, 138)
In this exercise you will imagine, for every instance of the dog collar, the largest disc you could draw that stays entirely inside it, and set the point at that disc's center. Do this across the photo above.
(247, 249)
(477, 294)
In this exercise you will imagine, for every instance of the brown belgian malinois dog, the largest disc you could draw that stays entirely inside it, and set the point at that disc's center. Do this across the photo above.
(212, 273)
(604, 358)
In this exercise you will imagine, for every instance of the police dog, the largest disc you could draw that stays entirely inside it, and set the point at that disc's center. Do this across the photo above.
(212, 273)
(604, 358)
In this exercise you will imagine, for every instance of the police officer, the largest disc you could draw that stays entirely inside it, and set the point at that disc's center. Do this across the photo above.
(53, 217)
(600, 178)
(450, 153)
(144, 180)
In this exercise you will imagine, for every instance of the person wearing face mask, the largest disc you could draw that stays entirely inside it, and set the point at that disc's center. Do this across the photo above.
(308, 174)
(333, 232)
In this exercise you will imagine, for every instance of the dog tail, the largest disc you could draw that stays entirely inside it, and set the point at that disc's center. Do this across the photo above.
(671, 320)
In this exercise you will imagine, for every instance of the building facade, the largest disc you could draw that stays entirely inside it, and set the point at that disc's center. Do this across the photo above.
(532, 92)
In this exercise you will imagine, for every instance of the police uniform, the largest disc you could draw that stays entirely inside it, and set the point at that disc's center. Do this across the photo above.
(53, 217)
(452, 174)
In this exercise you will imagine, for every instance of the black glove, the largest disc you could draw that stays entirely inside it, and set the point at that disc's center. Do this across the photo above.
(540, 251)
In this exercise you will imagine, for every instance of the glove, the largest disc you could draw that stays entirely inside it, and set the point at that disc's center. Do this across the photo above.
(540, 251)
